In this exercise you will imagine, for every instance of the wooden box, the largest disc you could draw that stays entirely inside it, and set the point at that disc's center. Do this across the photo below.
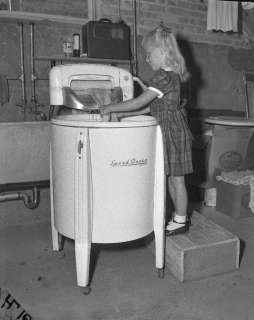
(206, 250)
(233, 200)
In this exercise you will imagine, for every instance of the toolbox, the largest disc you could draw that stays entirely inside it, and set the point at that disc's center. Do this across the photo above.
(106, 39)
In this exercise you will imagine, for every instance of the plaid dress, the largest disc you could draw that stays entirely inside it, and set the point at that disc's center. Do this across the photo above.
(177, 137)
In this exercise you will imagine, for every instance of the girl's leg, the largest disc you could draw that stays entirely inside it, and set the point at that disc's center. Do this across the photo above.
(172, 192)
(178, 191)
(181, 197)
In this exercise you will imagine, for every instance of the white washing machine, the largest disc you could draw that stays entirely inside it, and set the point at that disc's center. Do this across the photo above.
(107, 184)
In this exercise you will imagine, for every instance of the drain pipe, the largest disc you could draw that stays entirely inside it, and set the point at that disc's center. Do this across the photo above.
(8, 192)
(31, 202)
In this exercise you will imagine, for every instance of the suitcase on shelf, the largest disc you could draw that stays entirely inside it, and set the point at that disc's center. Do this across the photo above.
(106, 39)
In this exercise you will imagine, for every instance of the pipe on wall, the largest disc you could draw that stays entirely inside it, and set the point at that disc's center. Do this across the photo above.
(22, 67)
(33, 77)
(134, 5)
(30, 201)
(41, 115)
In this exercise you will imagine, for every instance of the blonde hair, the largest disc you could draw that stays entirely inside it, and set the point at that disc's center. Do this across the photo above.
(162, 37)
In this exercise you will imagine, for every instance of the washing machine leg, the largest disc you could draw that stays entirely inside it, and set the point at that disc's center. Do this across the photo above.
(82, 254)
(55, 239)
(160, 272)
(159, 253)
(159, 206)
(159, 235)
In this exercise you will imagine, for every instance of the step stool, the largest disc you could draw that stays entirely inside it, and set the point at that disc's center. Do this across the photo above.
(206, 250)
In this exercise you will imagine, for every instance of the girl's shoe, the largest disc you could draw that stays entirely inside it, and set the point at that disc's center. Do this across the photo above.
(174, 227)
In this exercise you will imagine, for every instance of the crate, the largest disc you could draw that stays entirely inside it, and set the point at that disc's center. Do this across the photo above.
(206, 250)
(233, 200)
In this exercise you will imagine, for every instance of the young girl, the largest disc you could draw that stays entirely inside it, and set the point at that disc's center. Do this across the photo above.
(163, 97)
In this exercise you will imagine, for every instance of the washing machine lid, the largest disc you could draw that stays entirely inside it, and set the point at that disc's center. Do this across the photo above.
(94, 121)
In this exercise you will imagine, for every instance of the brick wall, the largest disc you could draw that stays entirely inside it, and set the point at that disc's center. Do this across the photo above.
(205, 51)
(187, 18)
(215, 85)
(76, 8)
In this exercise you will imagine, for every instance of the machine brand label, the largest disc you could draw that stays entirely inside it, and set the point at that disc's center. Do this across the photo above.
(129, 163)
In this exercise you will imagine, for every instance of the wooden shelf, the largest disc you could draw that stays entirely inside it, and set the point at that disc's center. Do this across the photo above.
(41, 17)
(63, 59)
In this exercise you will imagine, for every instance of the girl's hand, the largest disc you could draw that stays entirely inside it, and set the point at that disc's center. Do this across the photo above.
(105, 114)
(114, 116)
(105, 117)
(105, 110)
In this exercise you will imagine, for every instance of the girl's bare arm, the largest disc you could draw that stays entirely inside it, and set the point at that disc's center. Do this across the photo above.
(130, 105)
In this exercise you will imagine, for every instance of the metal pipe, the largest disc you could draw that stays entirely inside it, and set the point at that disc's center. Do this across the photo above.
(92, 10)
(22, 67)
(31, 202)
(33, 77)
(10, 197)
(24, 185)
(42, 116)
(38, 114)
(119, 10)
(22, 75)
(247, 112)
(135, 71)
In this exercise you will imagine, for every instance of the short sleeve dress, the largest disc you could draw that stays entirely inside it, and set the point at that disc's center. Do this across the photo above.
(177, 137)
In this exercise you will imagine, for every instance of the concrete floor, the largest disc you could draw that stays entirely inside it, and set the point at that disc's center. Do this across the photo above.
(124, 284)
